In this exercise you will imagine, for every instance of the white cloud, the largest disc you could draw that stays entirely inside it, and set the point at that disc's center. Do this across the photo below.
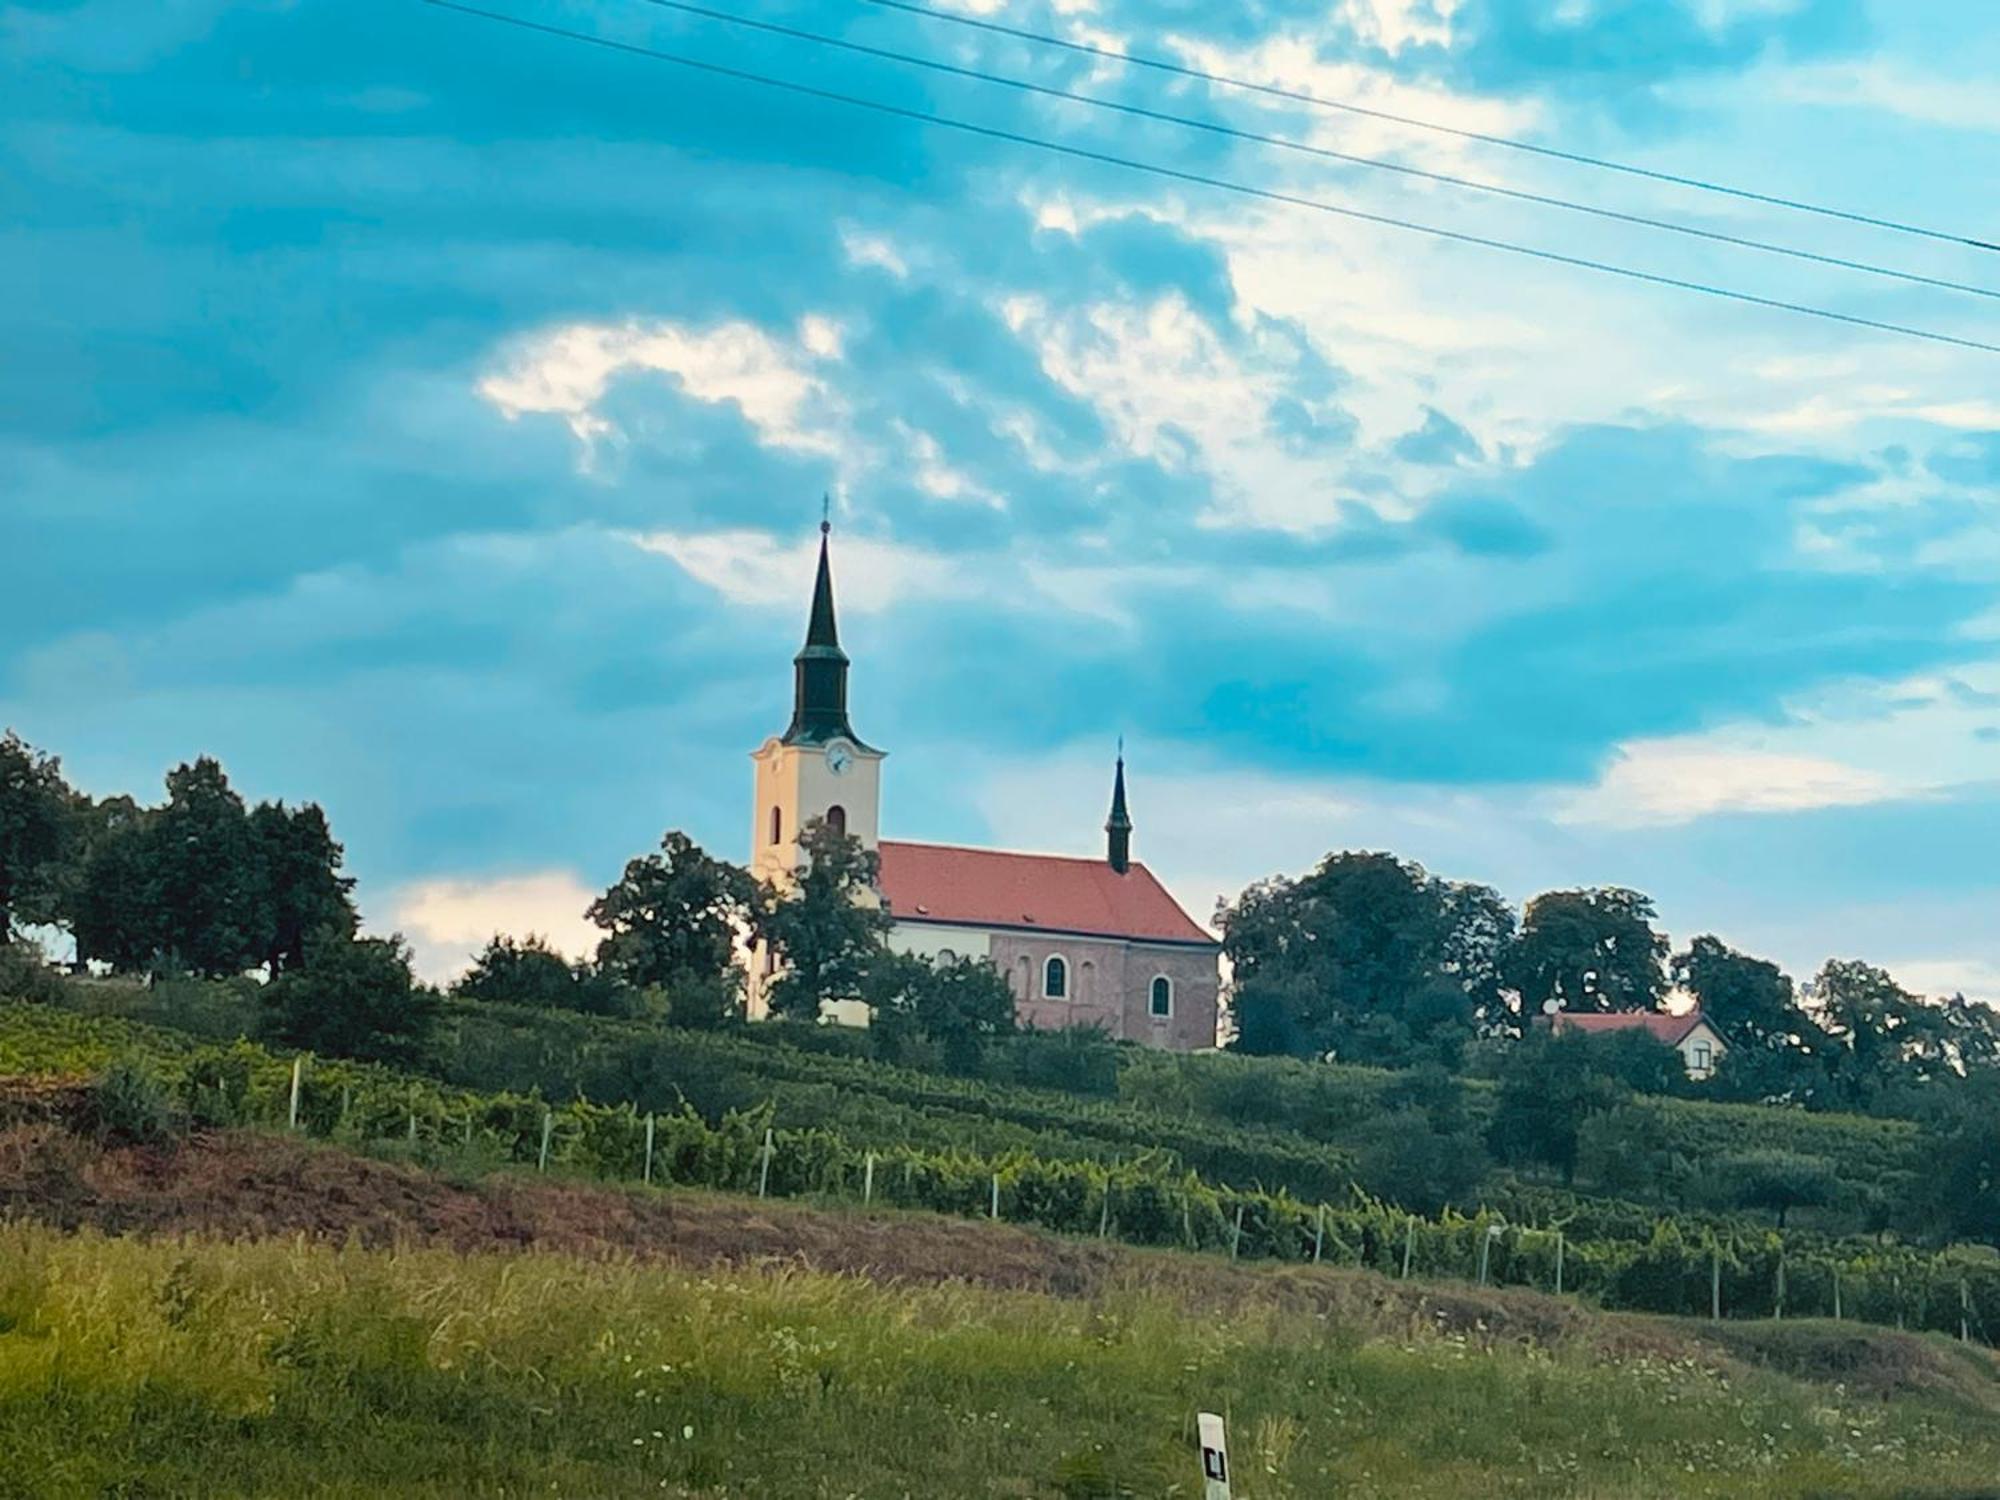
(755, 568)
(1958, 104)
(565, 372)
(1652, 782)
(448, 921)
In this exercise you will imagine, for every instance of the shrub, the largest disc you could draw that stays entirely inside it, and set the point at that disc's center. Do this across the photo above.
(132, 1104)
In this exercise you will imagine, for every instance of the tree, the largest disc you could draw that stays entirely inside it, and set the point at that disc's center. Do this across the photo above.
(114, 909)
(306, 893)
(354, 997)
(958, 1007)
(828, 926)
(1960, 1194)
(37, 824)
(1777, 1180)
(1422, 1151)
(1871, 1021)
(672, 922)
(1369, 958)
(1550, 1087)
(1589, 950)
(1775, 1050)
(203, 866)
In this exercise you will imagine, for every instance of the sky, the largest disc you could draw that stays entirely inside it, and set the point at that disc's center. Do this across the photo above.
(429, 418)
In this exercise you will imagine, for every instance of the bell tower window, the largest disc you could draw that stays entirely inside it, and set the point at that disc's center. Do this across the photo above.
(777, 825)
(836, 820)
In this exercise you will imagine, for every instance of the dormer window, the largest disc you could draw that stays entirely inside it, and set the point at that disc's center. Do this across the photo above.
(1055, 978)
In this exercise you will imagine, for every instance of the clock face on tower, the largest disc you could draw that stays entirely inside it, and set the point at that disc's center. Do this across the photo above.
(838, 758)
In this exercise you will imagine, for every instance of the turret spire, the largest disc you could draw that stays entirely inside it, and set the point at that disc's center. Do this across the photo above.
(1118, 827)
(819, 671)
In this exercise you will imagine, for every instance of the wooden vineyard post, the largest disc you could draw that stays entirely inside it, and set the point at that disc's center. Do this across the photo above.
(1486, 1239)
(1559, 1262)
(1104, 1212)
(548, 1129)
(1896, 1287)
(413, 1127)
(994, 1207)
(1236, 1234)
(764, 1172)
(868, 1180)
(1836, 1296)
(1319, 1233)
(647, 1174)
(1187, 1220)
(1778, 1303)
(298, 1065)
(1964, 1312)
(1715, 1283)
(1409, 1244)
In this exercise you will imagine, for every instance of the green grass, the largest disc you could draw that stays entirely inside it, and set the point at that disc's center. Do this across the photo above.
(281, 1368)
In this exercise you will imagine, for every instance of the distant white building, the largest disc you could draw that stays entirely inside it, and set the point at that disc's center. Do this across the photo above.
(1699, 1044)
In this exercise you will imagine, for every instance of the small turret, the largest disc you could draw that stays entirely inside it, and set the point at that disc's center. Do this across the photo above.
(1118, 827)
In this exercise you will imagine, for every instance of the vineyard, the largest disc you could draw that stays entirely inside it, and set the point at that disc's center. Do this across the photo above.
(1662, 1265)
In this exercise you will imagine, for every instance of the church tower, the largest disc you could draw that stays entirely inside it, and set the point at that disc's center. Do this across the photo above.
(819, 767)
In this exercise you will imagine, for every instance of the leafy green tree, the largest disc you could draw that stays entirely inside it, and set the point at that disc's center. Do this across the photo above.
(1775, 1050)
(530, 972)
(1874, 1025)
(307, 894)
(213, 904)
(958, 1007)
(1423, 1150)
(827, 928)
(114, 910)
(1620, 1153)
(1641, 1062)
(672, 923)
(1777, 1181)
(1960, 1193)
(354, 997)
(1369, 958)
(37, 827)
(1550, 1087)
(1589, 950)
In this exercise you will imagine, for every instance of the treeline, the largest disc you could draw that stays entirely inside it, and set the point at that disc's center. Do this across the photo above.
(202, 884)
(1372, 959)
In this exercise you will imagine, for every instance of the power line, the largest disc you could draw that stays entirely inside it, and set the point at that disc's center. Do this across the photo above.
(1325, 153)
(1320, 101)
(1176, 174)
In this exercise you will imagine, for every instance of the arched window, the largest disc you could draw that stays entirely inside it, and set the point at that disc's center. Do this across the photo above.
(1161, 1001)
(836, 820)
(777, 825)
(1055, 977)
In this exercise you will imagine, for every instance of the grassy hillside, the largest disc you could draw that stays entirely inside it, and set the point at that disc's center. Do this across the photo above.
(311, 1365)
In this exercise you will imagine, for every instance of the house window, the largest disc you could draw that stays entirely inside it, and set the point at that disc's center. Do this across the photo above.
(1055, 978)
(1161, 1001)
(777, 825)
(1701, 1057)
(836, 820)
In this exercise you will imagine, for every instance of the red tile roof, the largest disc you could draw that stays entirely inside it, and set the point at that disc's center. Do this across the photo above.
(1670, 1029)
(1050, 892)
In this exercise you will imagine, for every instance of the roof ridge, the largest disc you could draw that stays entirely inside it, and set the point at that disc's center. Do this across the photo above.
(1074, 859)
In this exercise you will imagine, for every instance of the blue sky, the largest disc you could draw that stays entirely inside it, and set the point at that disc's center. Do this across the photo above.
(430, 419)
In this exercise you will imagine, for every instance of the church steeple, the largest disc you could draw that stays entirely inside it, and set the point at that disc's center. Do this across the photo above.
(819, 671)
(1118, 827)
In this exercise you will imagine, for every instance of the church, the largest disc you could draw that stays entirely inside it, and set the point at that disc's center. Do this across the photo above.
(1082, 942)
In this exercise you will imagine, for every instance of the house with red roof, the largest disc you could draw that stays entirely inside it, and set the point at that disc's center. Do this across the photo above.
(1081, 941)
(1699, 1044)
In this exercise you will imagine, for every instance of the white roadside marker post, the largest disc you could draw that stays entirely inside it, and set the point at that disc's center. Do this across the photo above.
(1214, 1457)
(298, 1063)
